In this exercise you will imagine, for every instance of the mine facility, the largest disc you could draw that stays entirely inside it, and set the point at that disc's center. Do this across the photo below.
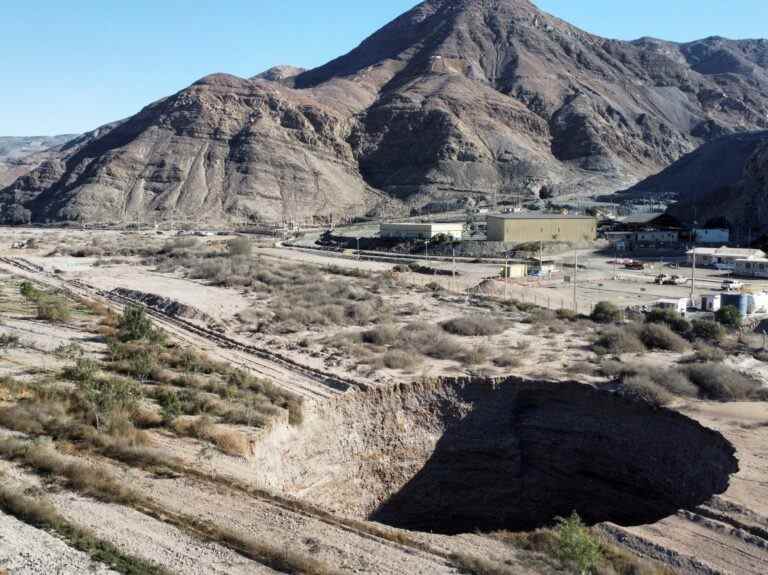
(527, 227)
(421, 231)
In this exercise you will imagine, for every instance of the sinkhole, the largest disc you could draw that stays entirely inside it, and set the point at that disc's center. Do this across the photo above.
(462, 455)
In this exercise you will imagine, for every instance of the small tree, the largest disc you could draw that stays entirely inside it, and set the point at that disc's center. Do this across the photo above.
(606, 312)
(170, 404)
(30, 292)
(106, 399)
(577, 546)
(135, 325)
(729, 316)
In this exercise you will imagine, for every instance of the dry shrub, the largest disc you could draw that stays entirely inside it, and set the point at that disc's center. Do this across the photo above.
(382, 335)
(721, 383)
(477, 325)
(36, 511)
(619, 340)
(507, 361)
(477, 355)
(706, 354)
(431, 341)
(659, 336)
(643, 388)
(229, 442)
(401, 359)
(670, 381)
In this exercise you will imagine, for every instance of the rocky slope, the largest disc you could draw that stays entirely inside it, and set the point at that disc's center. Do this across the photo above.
(19, 156)
(742, 200)
(697, 176)
(455, 98)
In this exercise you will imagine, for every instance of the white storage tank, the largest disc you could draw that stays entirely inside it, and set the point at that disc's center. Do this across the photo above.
(711, 302)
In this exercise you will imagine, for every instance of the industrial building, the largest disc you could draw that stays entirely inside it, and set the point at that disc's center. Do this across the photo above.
(421, 231)
(522, 228)
(724, 258)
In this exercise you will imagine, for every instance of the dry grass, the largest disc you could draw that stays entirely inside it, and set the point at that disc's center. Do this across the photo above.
(39, 512)
(228, 441)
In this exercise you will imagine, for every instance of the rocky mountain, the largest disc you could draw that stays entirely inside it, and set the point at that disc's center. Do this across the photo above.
(727, 178)
(699, 175)
(454, 99)
(20, 155)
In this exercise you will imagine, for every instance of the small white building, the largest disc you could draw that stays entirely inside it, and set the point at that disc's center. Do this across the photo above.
(680, 305)
(723, 258)
(711, 302)
(754, 268)
(422, 231)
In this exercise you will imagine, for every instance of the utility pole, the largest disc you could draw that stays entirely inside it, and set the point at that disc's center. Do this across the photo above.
(506, 277)
(575, 278)
(693, 272)
(426, 250)
(453, 258)
(358, 248)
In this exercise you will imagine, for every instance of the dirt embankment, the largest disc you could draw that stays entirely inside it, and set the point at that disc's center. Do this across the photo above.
(457, 456)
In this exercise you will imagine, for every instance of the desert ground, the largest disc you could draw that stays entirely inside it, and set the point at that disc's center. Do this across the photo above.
(292, 411)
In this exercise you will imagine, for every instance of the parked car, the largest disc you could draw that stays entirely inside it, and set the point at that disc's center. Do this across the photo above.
(676, 281)
(635, 266)
(731, 285)
(662, 279)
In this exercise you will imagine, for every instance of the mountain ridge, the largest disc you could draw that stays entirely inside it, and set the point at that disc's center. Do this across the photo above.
(453, 99)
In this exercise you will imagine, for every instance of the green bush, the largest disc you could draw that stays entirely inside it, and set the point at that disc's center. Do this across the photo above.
(134, 324)
(170, 404)
(83, 370)
(106, 399)
(729, 316)
(670, 318)
(8, 341)
(577, 546)
(606, 312)
(707, 329)
(53, 309)
(30, 292)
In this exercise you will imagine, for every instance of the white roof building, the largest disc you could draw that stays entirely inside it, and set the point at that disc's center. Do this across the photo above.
(724, 257)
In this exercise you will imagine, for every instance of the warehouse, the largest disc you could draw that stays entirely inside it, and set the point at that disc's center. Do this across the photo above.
(521, 228)
(421, 231)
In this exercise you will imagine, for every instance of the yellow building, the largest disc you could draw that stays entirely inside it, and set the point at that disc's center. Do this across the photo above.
(522, 228)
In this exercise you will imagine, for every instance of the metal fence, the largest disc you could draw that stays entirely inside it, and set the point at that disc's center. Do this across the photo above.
(504, 290)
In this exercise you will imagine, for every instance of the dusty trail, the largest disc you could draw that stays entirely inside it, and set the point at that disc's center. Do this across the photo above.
(300, 380)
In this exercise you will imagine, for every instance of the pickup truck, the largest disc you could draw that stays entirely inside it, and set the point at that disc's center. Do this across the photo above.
(731, 285)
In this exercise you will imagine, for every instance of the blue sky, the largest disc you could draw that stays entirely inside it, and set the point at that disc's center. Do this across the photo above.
(70, 66)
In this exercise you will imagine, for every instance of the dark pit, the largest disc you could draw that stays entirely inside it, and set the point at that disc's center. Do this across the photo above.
(460, 456)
